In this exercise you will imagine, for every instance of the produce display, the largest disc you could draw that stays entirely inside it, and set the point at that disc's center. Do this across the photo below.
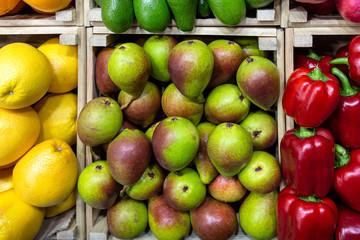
(48, 7)
(319, 157)
(155, 15)
(38, 110)
(183, 136)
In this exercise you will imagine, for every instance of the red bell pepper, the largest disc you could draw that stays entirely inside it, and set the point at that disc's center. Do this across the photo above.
(343, 52)
(301, 218)
(353, 61)
(311, 1)
(307, 160)
(348, 225)
(310, 97)
(347, 176)
(344, 121)
(323, 8)
(312, 60)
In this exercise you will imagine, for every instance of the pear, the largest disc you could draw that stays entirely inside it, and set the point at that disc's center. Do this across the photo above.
(226, 103)
(102, 78)
(183, 190)
(128, 156)
(125, 124)
(229, 148)
(259, 80)
(143, 110)
(149, 185)
(176, 104)
(213, 220)
(228, 56)
(96, 186)
(226, 189)
(257, 215)
(127, 218)
(262, 128)
(158, 48)
(165, 222)
(204, 166)
(129, 68)
(262, 174)
(150, 131)
(175, 143)
(99, 121)
(190, 65)
(250, 46)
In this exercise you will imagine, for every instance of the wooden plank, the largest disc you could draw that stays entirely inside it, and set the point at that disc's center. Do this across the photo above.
(37, 30)
(265, 15)
(68, 15)
(303, 41)
(69, 233)
(289, 65)
(68, 39)
(100, 229)
(268, 43)
(103, 40)
(298, 14)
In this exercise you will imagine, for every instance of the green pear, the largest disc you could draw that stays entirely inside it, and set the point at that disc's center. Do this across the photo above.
(158, 48)
(150, 183)
(226, 189)
(259, 80)
(229, 148)
(96, 186)
(250, 46)
(191, 65)
(262, 174)
(150, 131)
(262, 128)
(226, 103)
(127, 218)
(99, 121)
(165, 222)
(257, 215)
(176, 104)
(204, 166)
(129, 68)
(175, 143)
(183, 190)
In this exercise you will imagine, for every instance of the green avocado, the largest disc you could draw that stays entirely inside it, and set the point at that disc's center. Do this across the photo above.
(152, 15)
(184, 13)
(251, 4)
(99, 2)
(229, 12)
(203, 9)
(117, 15)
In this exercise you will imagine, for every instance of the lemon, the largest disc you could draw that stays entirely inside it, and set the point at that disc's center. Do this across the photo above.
(18, 220)
(64, 60)
(26, 75)
(46, 174)
(63, 206)
(20, 129)
(6, 182)
(57, 113)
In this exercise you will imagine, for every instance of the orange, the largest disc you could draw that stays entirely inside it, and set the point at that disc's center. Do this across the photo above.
(46, 174)
(20, 129)
(7, 5)
(6, 182)
(48, 5)
(65, 205)
(18, 220)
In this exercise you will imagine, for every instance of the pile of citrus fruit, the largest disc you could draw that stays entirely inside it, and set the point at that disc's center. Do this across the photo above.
(38, 110)
(9, 7)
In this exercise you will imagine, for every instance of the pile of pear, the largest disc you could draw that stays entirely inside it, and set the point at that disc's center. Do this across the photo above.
(183, 136)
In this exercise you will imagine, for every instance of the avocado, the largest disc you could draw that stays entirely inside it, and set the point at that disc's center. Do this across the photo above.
(117, 15)
(203, 9)
(229, 12)
(152, 15)
(251, 4)
(184, 13)
(99, 2)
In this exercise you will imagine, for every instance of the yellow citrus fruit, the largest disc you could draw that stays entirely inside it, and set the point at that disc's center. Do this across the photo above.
(65, 205)
(64, 60)
(57, 113)
(18, 220)
(20, 129)
(7, 5)
(26, 75)
(46, 174)
(48, 5)
(6, 182)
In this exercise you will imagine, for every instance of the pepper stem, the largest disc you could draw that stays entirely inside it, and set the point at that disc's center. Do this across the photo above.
(316, 74)
(346, 89)
(304, 132)
(311, 198)
(342, 60)
(313, 55)
(342, 156)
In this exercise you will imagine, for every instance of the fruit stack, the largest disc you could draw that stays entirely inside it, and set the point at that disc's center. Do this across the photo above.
(183, 136)
(319, 157)
(38, 110)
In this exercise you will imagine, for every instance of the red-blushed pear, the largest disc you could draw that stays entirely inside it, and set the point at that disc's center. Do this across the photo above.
(214, 220)
(128, 156)
(150, 131)
(102, 78)
(226, 189)
(125, 124)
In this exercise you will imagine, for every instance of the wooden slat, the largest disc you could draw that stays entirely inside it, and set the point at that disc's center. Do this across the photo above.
(68, 39)
(289, 66)
(66, 15)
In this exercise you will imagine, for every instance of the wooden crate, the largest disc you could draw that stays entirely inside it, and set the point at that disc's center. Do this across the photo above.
(68, 36)
(270, 39)
(73, 16)
(269, 16)
(324, 39)
(293, 15)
